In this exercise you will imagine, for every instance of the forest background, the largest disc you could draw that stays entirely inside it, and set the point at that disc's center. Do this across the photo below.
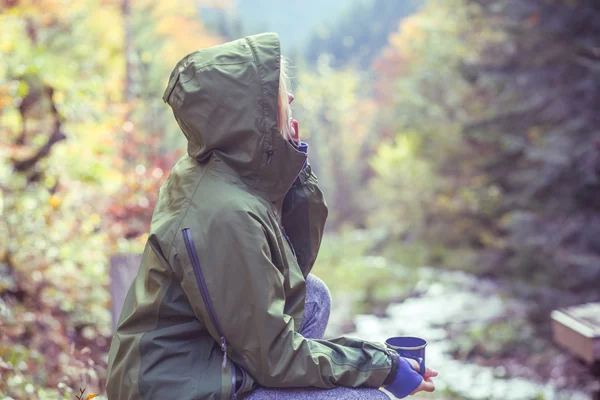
(455, 135)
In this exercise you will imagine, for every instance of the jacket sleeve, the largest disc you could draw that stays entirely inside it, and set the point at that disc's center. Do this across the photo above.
(303, 217)
(247, 294)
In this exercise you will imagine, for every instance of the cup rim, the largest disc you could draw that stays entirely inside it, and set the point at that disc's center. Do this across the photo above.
(422, 346)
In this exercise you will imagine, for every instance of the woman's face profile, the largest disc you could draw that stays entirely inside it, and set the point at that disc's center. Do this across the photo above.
(293, 124)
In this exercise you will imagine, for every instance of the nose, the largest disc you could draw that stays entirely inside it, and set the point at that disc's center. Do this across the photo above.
(290, 98)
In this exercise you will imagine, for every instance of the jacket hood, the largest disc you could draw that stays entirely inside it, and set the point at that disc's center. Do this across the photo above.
(224, 99)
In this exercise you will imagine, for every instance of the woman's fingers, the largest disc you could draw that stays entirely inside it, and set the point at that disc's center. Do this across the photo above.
(425, 386)
(428, 385)
(430, 373)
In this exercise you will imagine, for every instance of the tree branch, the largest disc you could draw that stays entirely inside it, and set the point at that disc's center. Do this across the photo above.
(56, 136)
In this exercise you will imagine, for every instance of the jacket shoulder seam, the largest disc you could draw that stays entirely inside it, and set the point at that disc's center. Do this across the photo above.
(262, 97)
(184, 214)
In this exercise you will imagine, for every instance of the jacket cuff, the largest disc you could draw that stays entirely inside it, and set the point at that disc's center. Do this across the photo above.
(395, 357)
(407, 380)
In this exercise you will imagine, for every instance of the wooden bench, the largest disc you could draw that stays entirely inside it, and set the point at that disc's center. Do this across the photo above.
(577, 329)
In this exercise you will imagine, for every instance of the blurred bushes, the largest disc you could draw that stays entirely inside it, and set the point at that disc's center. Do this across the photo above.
(81, 162)
(55, 117)
(483, 152)
(471, 142)
(352, 272)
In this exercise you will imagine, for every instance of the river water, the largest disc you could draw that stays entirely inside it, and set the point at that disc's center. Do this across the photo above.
(455, 297)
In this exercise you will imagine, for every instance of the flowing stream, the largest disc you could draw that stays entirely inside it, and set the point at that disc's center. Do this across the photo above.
(457, 298)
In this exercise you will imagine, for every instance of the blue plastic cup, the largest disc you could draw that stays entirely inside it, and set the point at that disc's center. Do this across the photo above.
(409, 347)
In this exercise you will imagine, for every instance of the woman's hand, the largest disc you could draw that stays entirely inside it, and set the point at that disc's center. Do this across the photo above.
(427, 384)
(408, 381)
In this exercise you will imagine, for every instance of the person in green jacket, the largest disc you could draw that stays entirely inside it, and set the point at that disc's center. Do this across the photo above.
(221, 299)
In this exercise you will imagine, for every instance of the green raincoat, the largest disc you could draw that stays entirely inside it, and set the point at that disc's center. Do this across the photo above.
(219, 296)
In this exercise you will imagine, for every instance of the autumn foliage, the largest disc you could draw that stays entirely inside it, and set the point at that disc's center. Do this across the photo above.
(82, 157)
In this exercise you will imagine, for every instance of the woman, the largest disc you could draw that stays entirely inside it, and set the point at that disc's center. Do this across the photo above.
(223, 305)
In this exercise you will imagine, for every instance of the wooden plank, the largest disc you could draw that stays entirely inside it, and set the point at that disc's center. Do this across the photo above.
(123, 269)
(588, 314)
(578, 330)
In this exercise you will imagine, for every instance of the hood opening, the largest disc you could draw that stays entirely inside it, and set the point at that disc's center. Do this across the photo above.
(224, 99)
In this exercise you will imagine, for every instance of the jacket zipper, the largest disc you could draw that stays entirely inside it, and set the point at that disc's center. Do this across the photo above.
(191, 249)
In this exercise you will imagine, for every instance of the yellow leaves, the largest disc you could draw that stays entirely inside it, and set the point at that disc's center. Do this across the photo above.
(95, 219)
(22, 88)
(409, 36)
(6, 44)
(405, 147)
(86, 228)
(143, 238)
(391, 157)
(179, 23)
(49, 181)
(113, 180)
(59, 97)
(91, 396)
(5, 98)
(187, 38)
(112, 39)
(55, 201)
(146, 57)
(427, 42)
(48, 7)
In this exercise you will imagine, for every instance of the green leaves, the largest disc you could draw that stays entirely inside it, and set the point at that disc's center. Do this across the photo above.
(496, 139)
(75, 201)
